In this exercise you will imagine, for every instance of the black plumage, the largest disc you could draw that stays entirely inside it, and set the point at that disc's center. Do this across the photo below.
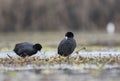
(67, 45)
(27, 49)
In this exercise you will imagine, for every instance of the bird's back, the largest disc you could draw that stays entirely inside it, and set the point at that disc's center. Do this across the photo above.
(66, 46)
(25, 47)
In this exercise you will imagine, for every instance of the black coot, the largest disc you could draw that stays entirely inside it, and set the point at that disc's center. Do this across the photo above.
(67, 45)
(27, 49)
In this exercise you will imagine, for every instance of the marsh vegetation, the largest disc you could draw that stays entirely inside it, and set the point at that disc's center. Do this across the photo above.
(104, 60)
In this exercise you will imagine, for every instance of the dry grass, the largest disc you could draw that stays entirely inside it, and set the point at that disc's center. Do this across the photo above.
(10, 61)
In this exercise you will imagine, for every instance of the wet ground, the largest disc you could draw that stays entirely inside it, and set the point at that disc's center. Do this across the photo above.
(10, 71)
(100, 61)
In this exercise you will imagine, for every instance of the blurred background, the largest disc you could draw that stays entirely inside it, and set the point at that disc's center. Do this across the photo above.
(94, 22)
(49, 15)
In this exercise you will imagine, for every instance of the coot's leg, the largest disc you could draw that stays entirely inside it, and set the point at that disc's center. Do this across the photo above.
(23, 55)
(68, 57)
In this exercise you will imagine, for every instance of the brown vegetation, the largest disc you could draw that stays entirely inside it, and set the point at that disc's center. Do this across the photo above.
(59, 60)
(19, 15)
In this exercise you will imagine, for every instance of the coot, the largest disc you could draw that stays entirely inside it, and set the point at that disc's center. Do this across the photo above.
(67, 45)
(27, 49)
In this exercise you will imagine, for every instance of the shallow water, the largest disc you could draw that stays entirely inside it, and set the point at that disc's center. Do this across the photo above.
(82, 67)
(44, 54)
(61, 75)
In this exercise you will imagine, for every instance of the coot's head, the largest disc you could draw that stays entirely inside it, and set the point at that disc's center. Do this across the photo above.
(69, 35)
(37, 46)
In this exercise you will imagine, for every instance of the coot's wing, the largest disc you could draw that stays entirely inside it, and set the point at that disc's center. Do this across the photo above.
(66, 47)
(73, 44)
(63, 47)
(22, 46)
(17, 47)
